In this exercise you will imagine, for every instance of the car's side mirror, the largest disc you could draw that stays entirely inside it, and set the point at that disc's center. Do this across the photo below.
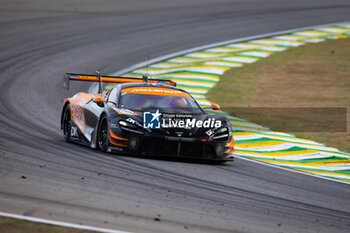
(215, 106)
(98, 99)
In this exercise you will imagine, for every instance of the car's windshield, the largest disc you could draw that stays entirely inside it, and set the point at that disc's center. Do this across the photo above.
(166, 104)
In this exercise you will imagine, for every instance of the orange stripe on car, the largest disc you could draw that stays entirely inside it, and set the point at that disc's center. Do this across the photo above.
(232, 143)
(155, 91)
(115, 79)
(122, 111)
(230, 151)
(115, 143)
(231, 147)
(116, 137)
(78, 102)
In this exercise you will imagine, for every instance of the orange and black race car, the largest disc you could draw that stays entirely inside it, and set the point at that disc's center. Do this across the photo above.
(145, 117)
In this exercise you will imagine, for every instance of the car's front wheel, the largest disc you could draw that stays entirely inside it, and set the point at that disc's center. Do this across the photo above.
(102, 136)
(67, 123)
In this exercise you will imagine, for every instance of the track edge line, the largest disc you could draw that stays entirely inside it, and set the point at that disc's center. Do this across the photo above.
(59, 223)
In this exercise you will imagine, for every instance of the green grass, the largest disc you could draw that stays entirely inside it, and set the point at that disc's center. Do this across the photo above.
(10, 225)
(312, 75)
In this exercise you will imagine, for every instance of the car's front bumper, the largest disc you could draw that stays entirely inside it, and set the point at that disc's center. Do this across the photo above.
(179, 147)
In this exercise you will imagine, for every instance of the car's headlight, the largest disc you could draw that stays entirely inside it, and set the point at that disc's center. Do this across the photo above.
(123, 123)
(221, 134)
(131, 126)
(222, 130)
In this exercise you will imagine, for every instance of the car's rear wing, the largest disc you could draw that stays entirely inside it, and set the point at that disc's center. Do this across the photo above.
(109, 79)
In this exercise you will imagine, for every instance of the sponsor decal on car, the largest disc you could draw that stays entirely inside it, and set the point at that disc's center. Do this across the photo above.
(151, 120)
(157, 120)
(134, 122)
(155, 91)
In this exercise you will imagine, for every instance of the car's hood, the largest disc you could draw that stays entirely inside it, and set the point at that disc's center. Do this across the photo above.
(183, 125)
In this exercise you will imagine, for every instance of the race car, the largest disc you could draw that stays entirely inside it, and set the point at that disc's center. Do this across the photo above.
(148, 117)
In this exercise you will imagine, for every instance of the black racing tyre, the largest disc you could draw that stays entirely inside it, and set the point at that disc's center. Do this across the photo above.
(102, 134)
(67, 123)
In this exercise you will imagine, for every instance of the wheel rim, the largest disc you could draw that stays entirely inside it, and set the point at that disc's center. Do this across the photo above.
(102, 135)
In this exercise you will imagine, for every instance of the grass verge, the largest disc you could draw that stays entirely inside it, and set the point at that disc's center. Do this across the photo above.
(312, 75)
(10, 225)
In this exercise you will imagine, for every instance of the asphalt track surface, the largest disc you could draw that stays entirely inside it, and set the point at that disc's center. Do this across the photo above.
(42, 176)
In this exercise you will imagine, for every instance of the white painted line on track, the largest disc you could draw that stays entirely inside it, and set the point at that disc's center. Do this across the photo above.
(58, 223)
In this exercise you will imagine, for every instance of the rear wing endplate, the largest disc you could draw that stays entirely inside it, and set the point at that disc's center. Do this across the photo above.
(109, 79)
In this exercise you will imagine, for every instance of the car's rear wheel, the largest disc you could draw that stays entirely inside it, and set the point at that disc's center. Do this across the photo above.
(102, 136)
(67, 123)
